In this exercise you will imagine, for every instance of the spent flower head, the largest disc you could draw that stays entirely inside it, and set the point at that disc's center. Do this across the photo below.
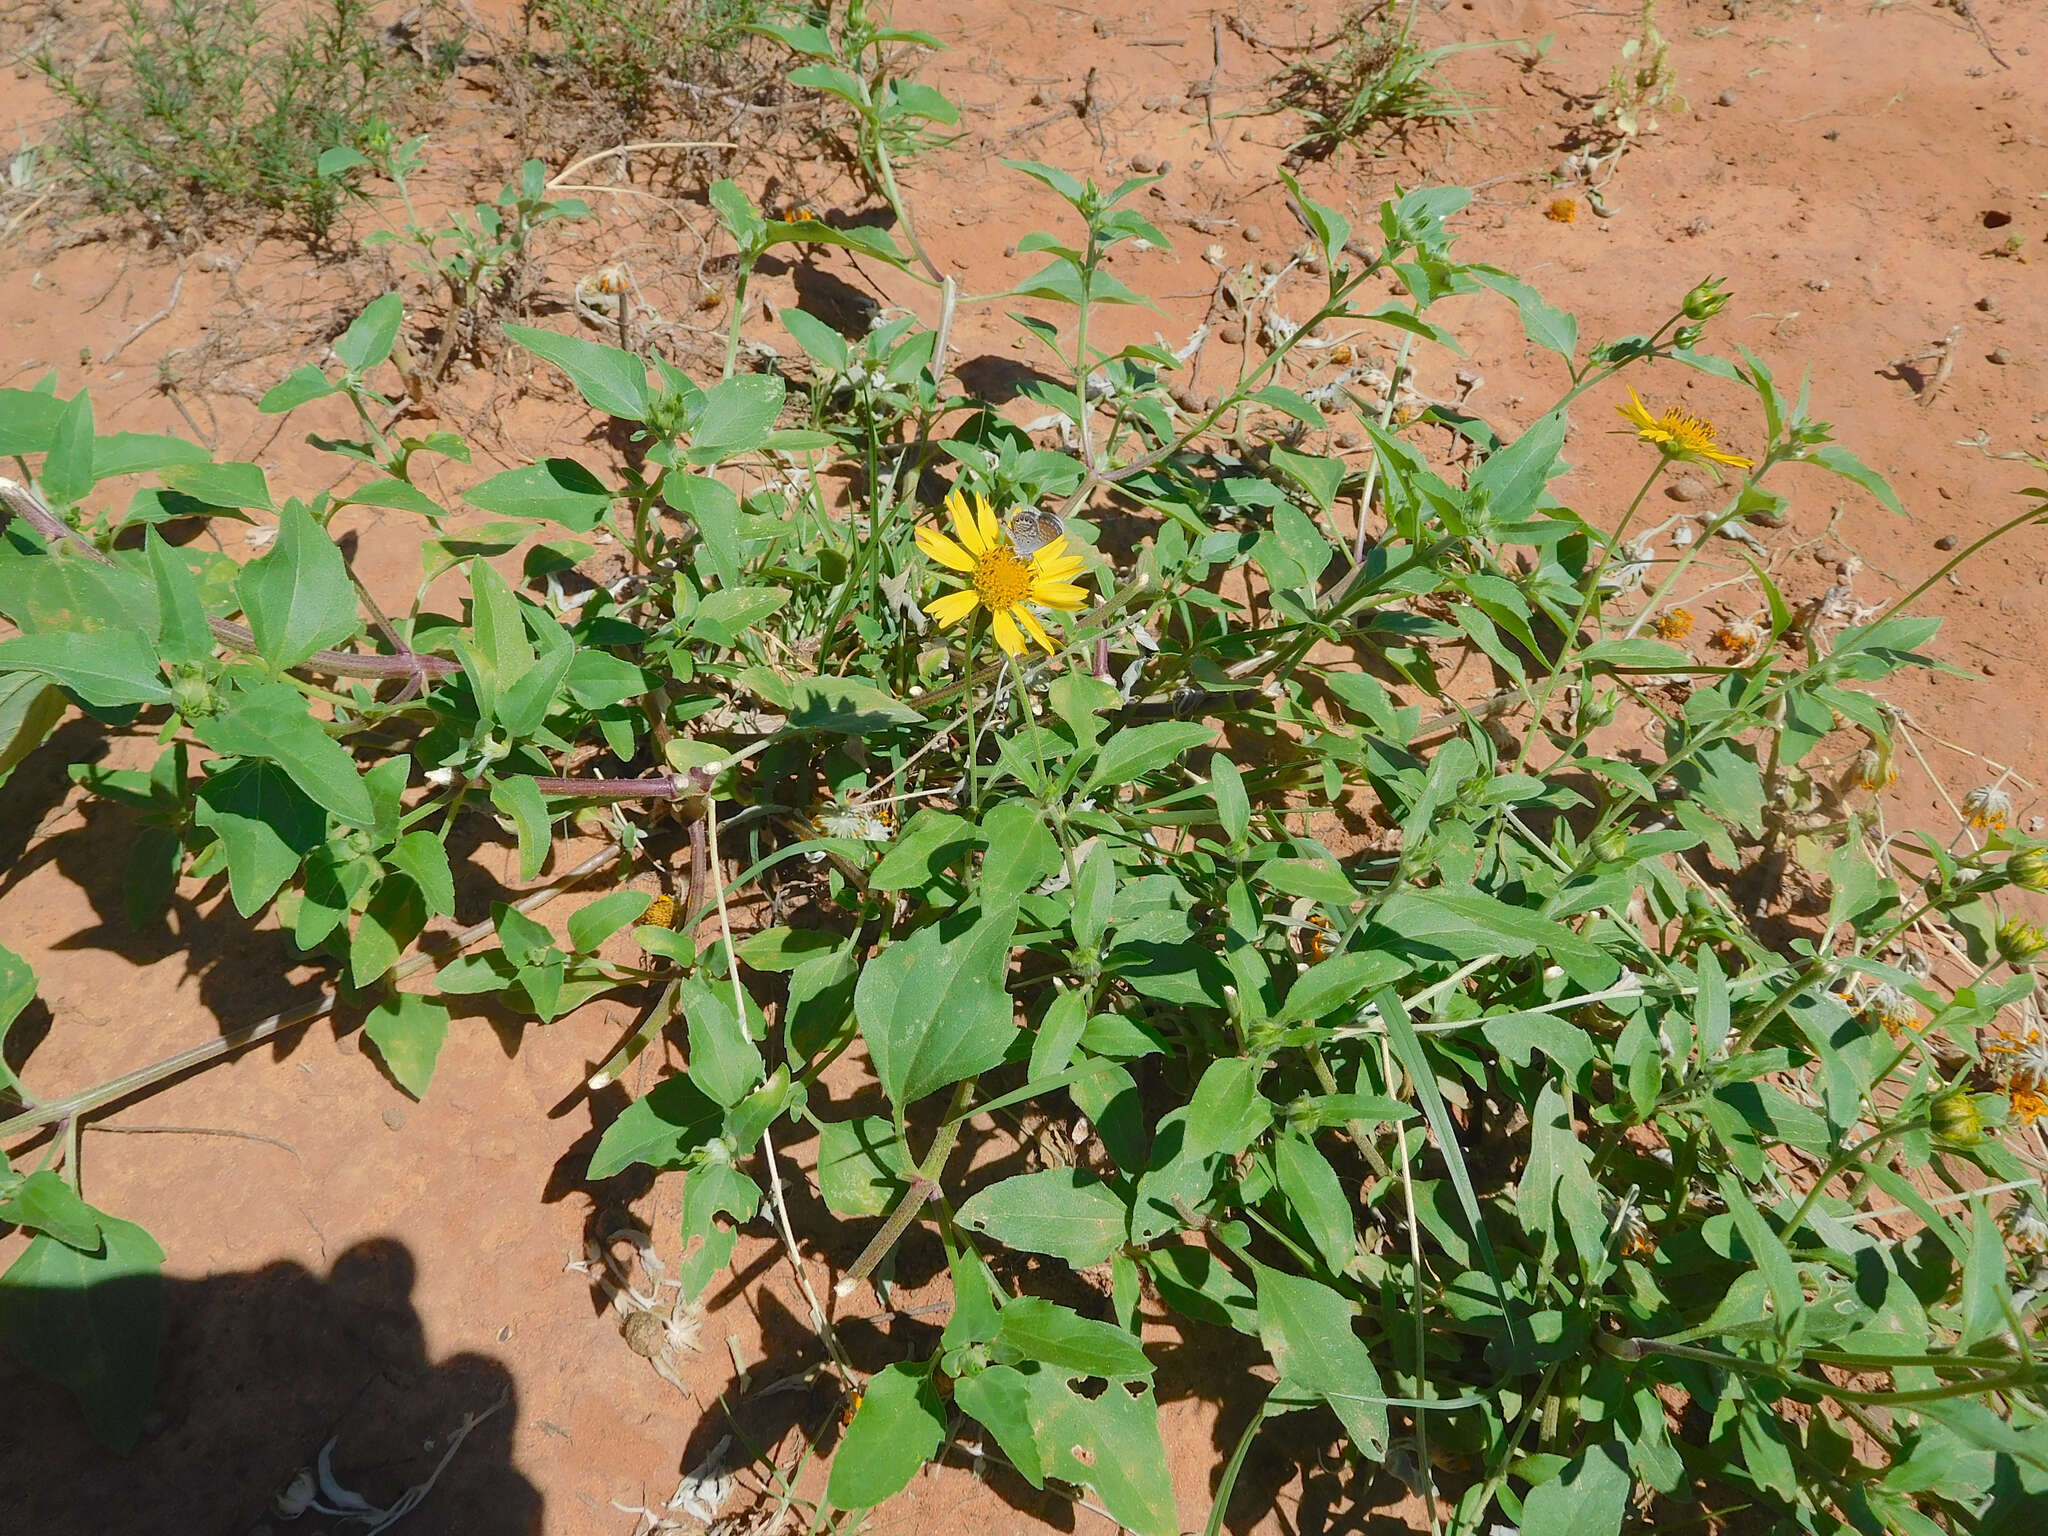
(2026, 1227)
(1987, 808)
(999, 579)
(1678, 435)
(2022, 1059)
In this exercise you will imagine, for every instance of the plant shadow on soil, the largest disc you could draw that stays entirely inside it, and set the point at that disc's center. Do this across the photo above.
(258, 1370)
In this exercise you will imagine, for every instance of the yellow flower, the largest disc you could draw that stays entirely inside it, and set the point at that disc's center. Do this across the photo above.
(1673, 624)
(2028, 1106)
(1678, 434)
(999, 579)
(1562, 210)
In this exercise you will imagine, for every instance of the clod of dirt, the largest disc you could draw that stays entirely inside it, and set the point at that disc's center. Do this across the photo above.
(1687, 489)
(1147, 165)
(1254, 233)
(1230, 335)
(1947, 541)
(1991, 669)
(1697, 227)
(394, 1117)
(1195, 402)
(1832, 134)
(1998, 355)
(1725, 99)
(1988, 305)
(1161, 103)
(1996, 218)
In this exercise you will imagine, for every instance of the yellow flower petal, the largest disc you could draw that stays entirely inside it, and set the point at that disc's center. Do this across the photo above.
(1052, 549)
(1006, 632)
(1060, 570)
(992, 532)
(942, 549)
(1033, 628)
(952, 608)
(964, 526)
(1058, 594)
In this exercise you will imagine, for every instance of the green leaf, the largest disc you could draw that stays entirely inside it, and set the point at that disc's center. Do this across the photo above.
(272, 723)
(17, 991)
(1312, 1189)
(1836, 459)
(1110, 1443)
(611, 381)
(185, 636)
(369, 337)
(1306, 1327)
(424, 857)
(735, 417)
(1129, 754)
(1065, 1212)
(724, 1061)
(1227, 1113)
(520, 799)
(266, 824)
(108, 668)
(408, 1031)
(846, 706)
(1588, 1498)
(301, 386)
(933, 1009)
(299, 598)
(898, 1428)
(999, 1399)
(930, 843)
(1031, 1328)
(1512, 480)
(661, 1130)
(1021, 851)
(559, 489)
(393, 919)
(45, 1203)
(91, 1322)
(730, 612)
(1543, 323)
(590, 926)
(67, 475)
(863, 1166)
(30, 707)
(1346, 978)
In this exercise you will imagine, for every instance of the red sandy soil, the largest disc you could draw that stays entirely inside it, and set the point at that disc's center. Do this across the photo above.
(399, 1264)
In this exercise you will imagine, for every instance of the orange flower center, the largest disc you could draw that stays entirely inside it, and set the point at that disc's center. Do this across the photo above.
(1001, 578)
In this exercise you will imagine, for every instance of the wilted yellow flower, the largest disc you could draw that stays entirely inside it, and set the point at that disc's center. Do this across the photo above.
(2026, 1228)
(1673, 624)
(1987, 808)
(1562, 210)
(2023, 1058)
(1888, 1006)
(1678, 434)
(999, 579)
(662, 912)
(1874, 770)
(2028, 1106)
(1739, 638)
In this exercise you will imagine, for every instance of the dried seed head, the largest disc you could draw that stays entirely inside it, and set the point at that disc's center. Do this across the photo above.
(1987, 808)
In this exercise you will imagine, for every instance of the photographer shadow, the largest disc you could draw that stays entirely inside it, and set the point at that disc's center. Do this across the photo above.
(258, 1371)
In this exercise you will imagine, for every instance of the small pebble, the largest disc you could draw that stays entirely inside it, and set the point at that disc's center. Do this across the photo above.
(1998, 355)
(1725, 99)
(1947, 541)
(1254, 233)
(1832, 134)
(1161, 103)
(1194, 401)
(1147, 165)
(1944, 493)
(394, 1117)
(1231, 334)
(1991, 669)
(1687, 489)
(1270, 267)
(1988, 305)
(1348, 440)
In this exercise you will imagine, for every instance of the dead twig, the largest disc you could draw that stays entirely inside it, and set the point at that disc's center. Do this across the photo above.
(1942, 354)
(170, 304)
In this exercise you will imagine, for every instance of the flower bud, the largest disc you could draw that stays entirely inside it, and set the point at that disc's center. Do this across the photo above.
(1610, 845)
(1956, 1118)
(2028, 869)
(1705, 301)
(1689, 336)
(2020, 942)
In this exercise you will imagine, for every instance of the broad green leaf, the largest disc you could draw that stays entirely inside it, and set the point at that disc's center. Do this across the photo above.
(930, 843)
(1306, 1327)
(1109, 1442)
(369, 337)
(863, 1166)
(1317, 1197)
(298, 597)
(424, 857)
(662, 1129)
(520, 799)
(730, 612)
(559, 489)
(1588, 1498)
(393, 919)
(17, 991)
(735, 417)
(1511, 481)
(108, 668)
(1547, 326)
(67, 475)
(230, 485)
(30, 707)
(724, 1061)
(1341, 979)
(590, 926)
(898, 1428)
(1557, 1194)
(1031, 1328)
(265, 822)
(185, 636)
(301, 386)
(91, 1322)
(609, 380)
(934, 1009)
(1227, 1113)
(272, 723)
(1021, 851)
(1065, 1212)
(846, 706)
(1129, 754)
(999, 1399)
(408, 1031)
(1838, 460)
(45, 1203)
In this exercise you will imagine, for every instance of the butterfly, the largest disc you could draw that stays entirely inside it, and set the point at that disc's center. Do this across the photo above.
(1031, 530)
